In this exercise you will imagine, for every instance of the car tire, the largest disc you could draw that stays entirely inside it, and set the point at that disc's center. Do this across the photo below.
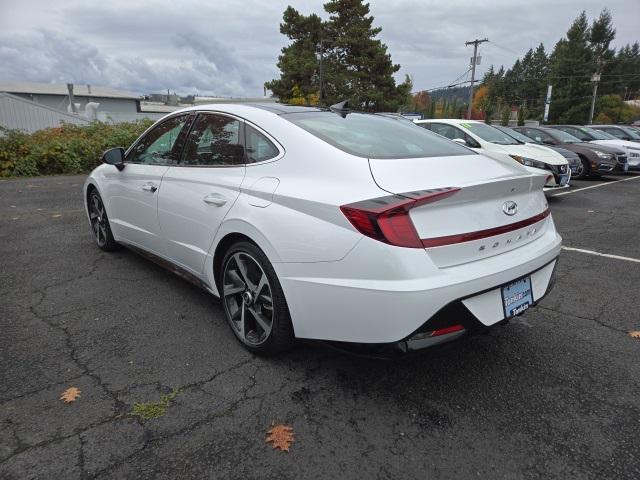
(100, 223)
(584, 170)
(253, 301)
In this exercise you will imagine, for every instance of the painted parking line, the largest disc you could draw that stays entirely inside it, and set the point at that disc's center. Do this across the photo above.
(607, 255)
(596, 186)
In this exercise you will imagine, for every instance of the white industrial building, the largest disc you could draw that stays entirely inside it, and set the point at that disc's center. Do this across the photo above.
(57, 96)
(33, 106)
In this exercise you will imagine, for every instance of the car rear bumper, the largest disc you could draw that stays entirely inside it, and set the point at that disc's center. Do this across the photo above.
(382, 294)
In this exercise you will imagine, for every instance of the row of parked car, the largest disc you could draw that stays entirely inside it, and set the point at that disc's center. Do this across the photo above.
(560, 151)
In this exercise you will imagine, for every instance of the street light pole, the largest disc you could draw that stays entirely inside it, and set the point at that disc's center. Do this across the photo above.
(474, 59)
(594, 79)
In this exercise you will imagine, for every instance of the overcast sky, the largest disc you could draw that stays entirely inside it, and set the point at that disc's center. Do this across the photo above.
(230, 48)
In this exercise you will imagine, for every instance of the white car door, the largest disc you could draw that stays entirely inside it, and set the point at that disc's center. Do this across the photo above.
(199, 191)
(132, 193)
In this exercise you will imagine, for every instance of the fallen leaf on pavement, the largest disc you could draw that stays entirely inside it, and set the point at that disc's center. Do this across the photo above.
(70, 394)
(635, 334)
(280, 436)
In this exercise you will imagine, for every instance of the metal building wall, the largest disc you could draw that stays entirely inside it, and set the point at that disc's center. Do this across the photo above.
(18, 113)
(61, 102)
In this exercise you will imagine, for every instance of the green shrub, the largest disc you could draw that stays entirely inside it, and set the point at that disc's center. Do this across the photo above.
(63, 150)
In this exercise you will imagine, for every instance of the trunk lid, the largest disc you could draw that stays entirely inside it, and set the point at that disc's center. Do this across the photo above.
(477, 221)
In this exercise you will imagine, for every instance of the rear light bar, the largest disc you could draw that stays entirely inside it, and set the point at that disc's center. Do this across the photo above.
(387, 218)
(489, 232)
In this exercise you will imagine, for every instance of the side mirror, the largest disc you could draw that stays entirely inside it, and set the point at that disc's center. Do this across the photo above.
(460, 141)
(115, 157)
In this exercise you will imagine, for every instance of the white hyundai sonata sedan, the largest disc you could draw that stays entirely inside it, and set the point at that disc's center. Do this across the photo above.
(329, 224)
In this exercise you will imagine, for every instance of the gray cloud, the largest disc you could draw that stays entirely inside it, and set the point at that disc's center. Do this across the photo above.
(230, 48)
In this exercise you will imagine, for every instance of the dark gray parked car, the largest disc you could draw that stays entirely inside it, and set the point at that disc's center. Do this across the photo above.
(620, 131)
(595, 159)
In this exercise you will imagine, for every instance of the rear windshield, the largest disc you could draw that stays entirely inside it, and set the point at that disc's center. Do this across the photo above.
(376, 136)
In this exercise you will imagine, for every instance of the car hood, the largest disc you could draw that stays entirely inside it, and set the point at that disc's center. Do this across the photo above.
(568, 154)
(537, 152)
(601, 148)
(618, 143)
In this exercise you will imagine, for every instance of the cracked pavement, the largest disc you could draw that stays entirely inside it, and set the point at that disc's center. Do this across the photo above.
(553, 394)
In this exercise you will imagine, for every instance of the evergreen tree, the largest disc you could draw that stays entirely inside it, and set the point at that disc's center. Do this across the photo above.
(298, 62)
(432, 109)
(571, 66)
(356, 65)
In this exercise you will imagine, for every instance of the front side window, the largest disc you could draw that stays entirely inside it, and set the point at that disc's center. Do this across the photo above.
(490, 134)
(214, 141)
(454, 133)
(259, 148)
(375, 136)
(160, 146)
(445, 130)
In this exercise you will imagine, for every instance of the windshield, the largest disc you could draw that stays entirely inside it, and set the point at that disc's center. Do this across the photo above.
(517, 135)
(598, 134)
(564, 136)
(631, 132)
(490, 134)
(376, 136)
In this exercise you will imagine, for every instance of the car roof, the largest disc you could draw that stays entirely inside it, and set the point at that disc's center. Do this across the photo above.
(281, 108)
(454, 121)
(235, 108)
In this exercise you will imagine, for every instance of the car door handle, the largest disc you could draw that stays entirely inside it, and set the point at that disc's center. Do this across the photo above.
(149, 187)
(215, 199)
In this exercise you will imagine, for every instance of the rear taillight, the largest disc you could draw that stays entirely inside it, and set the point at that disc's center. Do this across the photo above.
(387, 218)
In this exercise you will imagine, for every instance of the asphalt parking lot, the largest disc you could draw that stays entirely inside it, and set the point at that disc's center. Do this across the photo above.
(553, 394)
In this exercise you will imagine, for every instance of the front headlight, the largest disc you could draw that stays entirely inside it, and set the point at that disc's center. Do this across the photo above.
(529, 162)
(605, 156)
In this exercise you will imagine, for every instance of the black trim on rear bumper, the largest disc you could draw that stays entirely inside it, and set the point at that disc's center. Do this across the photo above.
(454, 313)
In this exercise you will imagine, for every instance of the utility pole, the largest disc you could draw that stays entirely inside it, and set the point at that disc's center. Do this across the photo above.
(595, 78)
(474, 60)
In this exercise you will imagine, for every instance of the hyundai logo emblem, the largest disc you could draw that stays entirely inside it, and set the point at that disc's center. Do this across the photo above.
(510, 208)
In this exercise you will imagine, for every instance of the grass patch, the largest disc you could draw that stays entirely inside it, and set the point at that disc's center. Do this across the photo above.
(149, 410)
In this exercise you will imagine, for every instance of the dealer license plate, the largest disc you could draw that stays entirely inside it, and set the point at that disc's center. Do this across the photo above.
(517, 297)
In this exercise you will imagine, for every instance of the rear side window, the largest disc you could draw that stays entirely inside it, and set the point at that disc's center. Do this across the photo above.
(259, 148)
(375, 136)
(214, 140)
